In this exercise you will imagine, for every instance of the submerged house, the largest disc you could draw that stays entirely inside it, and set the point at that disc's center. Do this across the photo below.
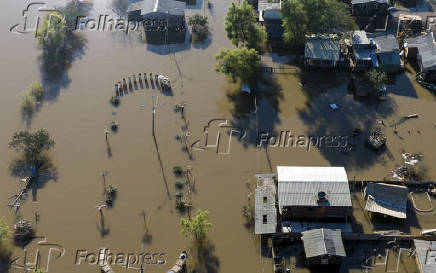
(270, 17)
(387, 52)
(425, 255)
(423, 48)
(265, 205)
(313, 193)
(386, 200)
(163, 20)
(323, 247)
(322, 51)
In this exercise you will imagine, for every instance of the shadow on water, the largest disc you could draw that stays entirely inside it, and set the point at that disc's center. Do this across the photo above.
(205, 258)
(257, 112)
(19, 167)
(329, 87)
(4, 265)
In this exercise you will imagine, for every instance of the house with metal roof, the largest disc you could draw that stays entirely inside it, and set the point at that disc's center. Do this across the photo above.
(387, 52)
(265, 205)
(423, 48)
(362, 50)
(322, 51)
(387, 200)
(313, 193)
(162, 19)
(425, 255)
(323, 246)
(270, 17)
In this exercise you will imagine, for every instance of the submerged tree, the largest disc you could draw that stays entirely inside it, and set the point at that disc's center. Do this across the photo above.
(57, 38)
(5, 239)
(32, 145)
(242, 28)
(198, 226)
(200, 27)
(239, 63)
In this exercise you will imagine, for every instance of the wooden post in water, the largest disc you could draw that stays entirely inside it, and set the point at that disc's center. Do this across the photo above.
(140, 78)
(124, 84)
(130, 83)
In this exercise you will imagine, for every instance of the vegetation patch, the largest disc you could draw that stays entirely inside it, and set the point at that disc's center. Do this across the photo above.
(200, 27)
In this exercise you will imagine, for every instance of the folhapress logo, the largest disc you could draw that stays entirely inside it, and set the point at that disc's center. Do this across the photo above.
(32, 17)
(44, 255)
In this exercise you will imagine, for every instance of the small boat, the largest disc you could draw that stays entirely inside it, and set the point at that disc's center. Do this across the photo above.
(428, 232)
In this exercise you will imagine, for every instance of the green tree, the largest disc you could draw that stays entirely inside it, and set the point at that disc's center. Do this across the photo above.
(198, 226)
(200, 27)
(32, 145)
(57, 38)
(5, 238)
(301, 17)
(242, 28)
(239, 63)
(377, 78)
(36, 90)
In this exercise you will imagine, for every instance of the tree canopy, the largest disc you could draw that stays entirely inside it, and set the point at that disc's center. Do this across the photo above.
(242, 28)
(5, 237)
(32, 144)
(377, 78)
(200, 27)
(301, 17)
(239, 63)
(198, 226)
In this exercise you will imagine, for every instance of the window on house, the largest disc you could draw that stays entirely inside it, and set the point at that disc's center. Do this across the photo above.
(265, 219)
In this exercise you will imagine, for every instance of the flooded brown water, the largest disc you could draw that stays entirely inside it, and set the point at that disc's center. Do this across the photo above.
(76, 112)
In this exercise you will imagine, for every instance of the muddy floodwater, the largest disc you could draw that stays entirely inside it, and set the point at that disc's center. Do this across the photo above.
(76, 111)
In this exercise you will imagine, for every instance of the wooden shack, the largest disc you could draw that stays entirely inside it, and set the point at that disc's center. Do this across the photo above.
(323, 247)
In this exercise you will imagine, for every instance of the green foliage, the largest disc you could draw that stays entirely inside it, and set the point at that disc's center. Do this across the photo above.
(377, 78)
(200, 27)
(178, 171)
(197, 226)
(242, 28)
(239, 63)
(36, 91)
(32, 145)
(5, 238)
(114, 126)
(115, 100)
(28, 104)
(179, 184)
(111, 191)
(37, 270)
(301, 17)
(248, 215)
(57, 39)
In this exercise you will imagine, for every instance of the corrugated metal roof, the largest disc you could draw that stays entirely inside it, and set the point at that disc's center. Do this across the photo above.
(386, 199)
(319, 242)
(299, 186)
(265, 205)
(322, 48)
(426, 50)
(426, 255)
(170, 7)
(385, 43)
(268, 4)
(300, 226)
(360, 38)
